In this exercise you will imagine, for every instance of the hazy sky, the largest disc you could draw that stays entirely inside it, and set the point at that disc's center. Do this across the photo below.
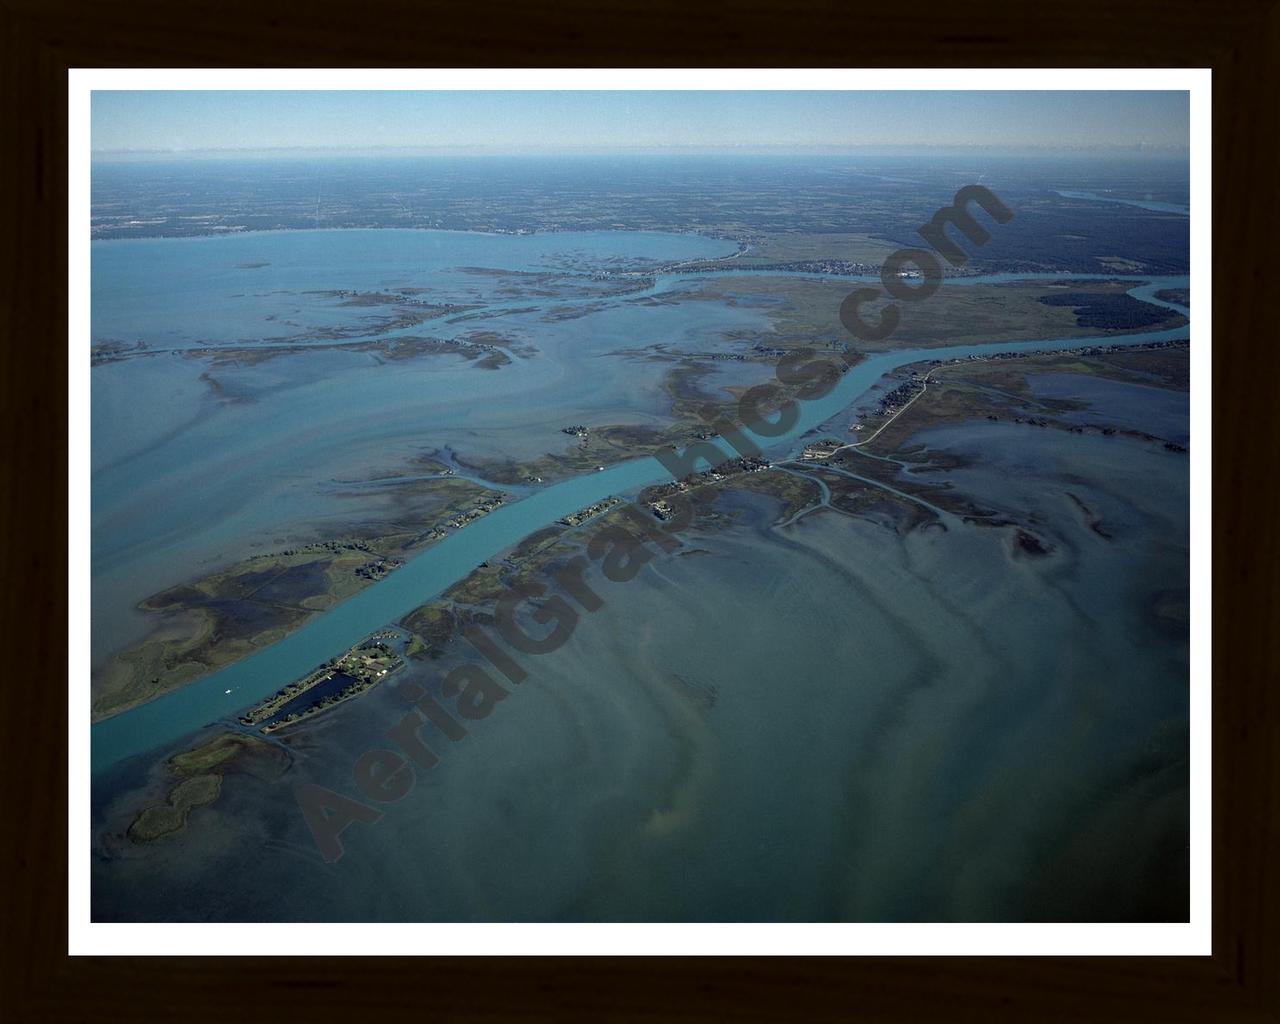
(514, 122)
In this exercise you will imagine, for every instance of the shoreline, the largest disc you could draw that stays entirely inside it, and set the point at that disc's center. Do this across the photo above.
(93, 240)
(636, 472)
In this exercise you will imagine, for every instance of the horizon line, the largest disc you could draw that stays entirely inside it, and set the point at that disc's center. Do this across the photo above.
(741, 149)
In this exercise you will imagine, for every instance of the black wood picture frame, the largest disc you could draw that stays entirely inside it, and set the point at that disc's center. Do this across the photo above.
(1238, 39)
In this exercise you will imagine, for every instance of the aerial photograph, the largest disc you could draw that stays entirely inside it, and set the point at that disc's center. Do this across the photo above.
(639, 506)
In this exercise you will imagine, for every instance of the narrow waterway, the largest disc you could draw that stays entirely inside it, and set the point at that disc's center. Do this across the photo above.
(428, 574)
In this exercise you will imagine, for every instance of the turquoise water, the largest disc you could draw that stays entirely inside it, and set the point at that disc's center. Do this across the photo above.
(197, 460)
(192, 291)
(1154, 205)
(832, 720)
(231, 468)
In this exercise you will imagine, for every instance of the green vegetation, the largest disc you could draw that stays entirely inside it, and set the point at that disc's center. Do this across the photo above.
(218, 751)
(200, 771)
(841, 252)
(998, 389)
(217, 620)
(171, 816)
(366, 665)
(806, 311)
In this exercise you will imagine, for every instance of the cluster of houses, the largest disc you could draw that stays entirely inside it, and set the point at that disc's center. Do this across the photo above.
(332, 546)
(1083, 350)
(657, 496)
(366, 665)
(582, 515)
(378, 568)
(480, 509)
(901, 395)
(823, 449)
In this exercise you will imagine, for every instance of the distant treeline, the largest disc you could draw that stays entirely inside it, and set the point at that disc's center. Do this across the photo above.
(1108, 311)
